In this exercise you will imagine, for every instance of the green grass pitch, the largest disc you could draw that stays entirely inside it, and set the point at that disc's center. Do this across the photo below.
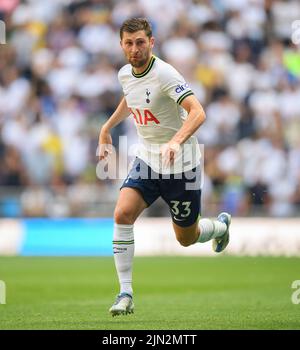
(170, 293)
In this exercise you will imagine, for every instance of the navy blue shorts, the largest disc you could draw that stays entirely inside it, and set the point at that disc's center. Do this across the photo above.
(181, 192)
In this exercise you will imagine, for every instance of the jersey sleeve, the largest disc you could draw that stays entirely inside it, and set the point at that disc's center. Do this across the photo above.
(173, 84)
(121, 77)
(123, 74)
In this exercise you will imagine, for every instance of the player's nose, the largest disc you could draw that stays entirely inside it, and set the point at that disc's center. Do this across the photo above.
(135, 48)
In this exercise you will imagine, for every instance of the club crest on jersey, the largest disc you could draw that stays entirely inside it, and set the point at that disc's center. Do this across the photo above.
(180, 88)
(148, 94)
(143, 117)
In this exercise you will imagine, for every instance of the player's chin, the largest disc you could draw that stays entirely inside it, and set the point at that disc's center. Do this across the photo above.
(136, 63)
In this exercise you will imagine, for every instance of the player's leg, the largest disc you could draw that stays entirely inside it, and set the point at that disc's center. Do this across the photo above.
(187, 236)
(184, 202)
(205, 230)
(136, 194)
(129, 206)
(188, 228)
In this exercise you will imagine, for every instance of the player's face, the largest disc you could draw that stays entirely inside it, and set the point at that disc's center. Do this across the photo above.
(137, 48)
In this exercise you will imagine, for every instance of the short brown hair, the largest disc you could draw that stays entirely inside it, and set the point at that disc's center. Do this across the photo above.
(133, 25)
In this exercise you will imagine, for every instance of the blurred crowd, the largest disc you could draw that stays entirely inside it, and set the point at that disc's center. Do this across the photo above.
(58, 85)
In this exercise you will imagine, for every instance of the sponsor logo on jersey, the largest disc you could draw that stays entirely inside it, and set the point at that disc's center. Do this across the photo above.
(143, 117)
(180, 88)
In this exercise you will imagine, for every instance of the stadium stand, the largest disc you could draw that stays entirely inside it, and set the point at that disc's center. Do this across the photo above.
(58, 84)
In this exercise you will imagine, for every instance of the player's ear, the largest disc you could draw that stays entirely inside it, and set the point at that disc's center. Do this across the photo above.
(152, 41)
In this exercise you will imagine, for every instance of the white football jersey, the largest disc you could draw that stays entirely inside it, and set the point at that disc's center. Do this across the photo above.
(154, 99)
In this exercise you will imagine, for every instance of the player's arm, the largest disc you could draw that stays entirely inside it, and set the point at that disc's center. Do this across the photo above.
(105, 140)
(195, 118)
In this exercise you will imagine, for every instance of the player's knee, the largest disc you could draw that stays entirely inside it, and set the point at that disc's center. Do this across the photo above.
(186, 236)
(185, 241)
(123, 216)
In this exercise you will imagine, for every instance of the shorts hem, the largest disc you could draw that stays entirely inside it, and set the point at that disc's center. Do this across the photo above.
(185, 224)
(140, 191)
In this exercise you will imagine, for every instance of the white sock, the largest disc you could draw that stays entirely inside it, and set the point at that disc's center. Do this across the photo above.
(210, 229)
(123, 248)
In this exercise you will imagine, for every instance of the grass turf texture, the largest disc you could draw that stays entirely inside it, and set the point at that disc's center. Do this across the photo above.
(170, 293)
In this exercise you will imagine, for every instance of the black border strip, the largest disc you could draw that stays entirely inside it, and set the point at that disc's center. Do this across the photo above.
(182, 97)
(147, 70)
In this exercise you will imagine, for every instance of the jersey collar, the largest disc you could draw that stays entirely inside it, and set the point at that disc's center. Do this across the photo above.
(147, 70)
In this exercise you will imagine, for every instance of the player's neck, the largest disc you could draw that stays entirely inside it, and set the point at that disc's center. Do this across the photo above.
(139, 70)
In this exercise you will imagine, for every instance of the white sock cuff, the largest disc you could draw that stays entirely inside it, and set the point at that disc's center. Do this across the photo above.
(123, 232)
(206, 230)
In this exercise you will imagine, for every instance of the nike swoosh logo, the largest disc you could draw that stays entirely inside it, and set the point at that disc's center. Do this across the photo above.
(178, 219)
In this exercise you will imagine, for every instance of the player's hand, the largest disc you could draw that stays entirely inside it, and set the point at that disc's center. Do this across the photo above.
(105, 144)
(168, 152)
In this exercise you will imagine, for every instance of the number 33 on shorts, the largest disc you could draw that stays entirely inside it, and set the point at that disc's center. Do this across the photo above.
(181, 210)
